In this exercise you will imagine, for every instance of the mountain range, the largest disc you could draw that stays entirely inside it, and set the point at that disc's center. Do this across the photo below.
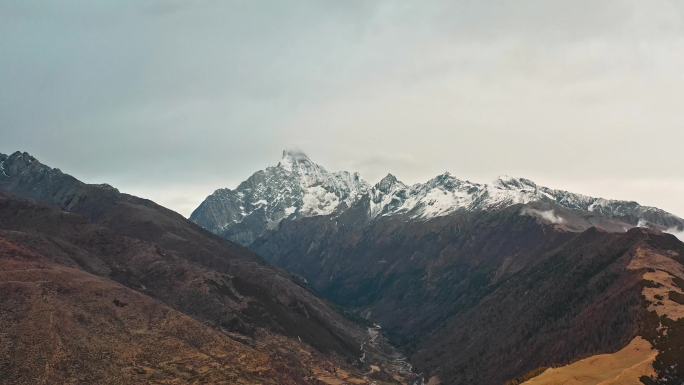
(305, 276)
(475, 283)
(297, 188)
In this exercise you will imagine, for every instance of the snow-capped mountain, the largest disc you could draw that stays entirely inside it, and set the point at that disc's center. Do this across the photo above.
(446, 194)
(297, 187)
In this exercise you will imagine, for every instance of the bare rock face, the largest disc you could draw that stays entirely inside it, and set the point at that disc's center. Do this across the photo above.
(295, 188)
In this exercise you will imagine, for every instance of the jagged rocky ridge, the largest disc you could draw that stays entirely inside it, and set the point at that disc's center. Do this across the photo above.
(297, 187)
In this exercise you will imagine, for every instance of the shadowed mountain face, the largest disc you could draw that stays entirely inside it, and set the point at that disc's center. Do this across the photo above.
(483, 283)
(125, 276)
(64, 325)
(478, 298)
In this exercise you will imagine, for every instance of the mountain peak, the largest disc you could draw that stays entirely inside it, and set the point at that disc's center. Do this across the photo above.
(512, 183)
(17, 161)
(19, 155)
(292, 158)
(444, 179)
(290, 153)
(388, 179)
(296, 187)
(386, 183)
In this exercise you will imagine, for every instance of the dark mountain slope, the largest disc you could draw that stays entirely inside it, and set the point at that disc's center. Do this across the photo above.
(175, 260)
(476, 297)
(236, 294)
(410, 276)
(577, 301)
(62, 325)
(158, 253)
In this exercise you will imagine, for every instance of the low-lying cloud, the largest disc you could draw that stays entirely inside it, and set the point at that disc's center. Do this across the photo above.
(546, 215)
(677, 232)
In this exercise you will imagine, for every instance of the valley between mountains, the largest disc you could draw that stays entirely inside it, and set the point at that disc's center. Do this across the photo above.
(300, 275)
(100, 287)
(475, 283)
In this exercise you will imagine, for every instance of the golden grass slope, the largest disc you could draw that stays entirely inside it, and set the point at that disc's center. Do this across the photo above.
(624, 367)
(628, 365)
(662, 271)
(61, 325)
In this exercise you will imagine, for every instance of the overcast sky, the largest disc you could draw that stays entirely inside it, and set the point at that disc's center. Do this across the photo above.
(172, 99)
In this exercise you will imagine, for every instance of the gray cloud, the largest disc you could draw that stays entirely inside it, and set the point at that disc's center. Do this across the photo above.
(169, 99)
(677, 232)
